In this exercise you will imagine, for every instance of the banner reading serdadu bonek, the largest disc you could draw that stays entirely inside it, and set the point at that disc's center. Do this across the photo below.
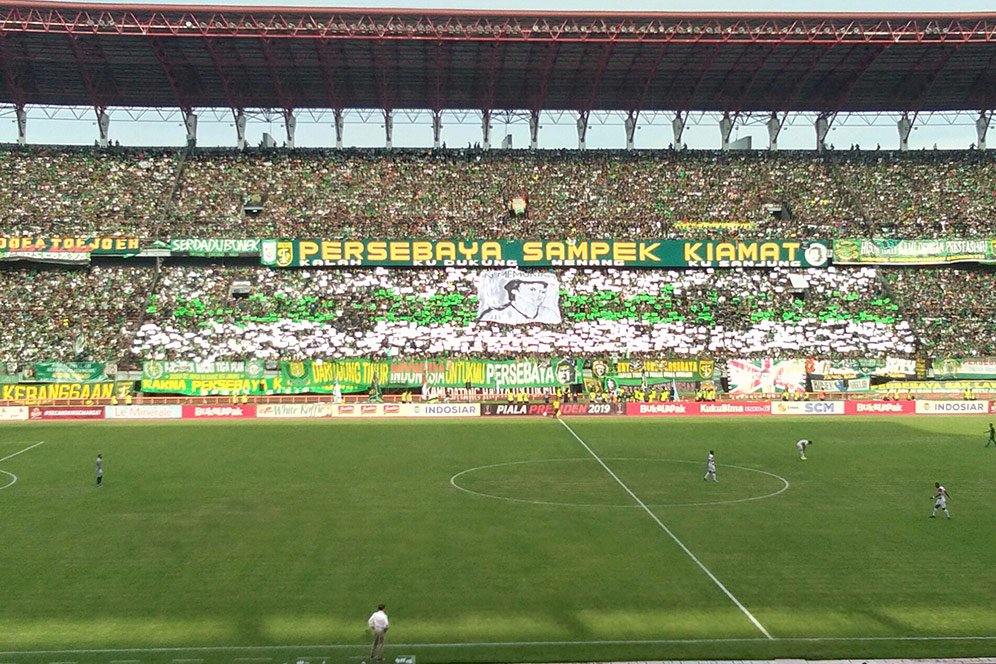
(544, 253)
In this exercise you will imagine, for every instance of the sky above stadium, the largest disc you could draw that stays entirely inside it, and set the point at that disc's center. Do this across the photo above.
(945, 133)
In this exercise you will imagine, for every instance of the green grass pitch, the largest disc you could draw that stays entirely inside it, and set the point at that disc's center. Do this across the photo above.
(496, 540)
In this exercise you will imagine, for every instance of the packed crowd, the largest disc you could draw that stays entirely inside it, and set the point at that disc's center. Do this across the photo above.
(923, 195)
(470, 193)
(83, 192)
(951, 309)
(501, 194)
(112, 313)
(432, 313)
(70, 314)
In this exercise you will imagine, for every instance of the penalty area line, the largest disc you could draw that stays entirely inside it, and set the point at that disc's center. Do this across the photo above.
(11, 456)
(743, 609)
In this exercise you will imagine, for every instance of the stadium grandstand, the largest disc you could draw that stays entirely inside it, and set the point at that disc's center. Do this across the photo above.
(735, 253)
(192, 282)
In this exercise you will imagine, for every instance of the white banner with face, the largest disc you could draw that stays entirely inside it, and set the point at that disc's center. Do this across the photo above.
(515, 297)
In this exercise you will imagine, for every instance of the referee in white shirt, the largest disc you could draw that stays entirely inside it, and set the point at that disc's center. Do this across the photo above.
(379, 624)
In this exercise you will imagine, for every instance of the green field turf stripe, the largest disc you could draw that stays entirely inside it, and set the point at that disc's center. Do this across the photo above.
(667, 530)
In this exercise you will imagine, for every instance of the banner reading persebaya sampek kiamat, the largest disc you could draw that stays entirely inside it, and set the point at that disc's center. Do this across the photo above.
(544, 253)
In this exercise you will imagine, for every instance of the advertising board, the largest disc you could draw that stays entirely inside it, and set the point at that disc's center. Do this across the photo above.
(293, 410)
(147, 412)
(13, 413)
(242, 411)
(879, 407)
(441, 409)
(671, 409)
(542, 409)
(807, 408)
(66, 413)
(950, 407)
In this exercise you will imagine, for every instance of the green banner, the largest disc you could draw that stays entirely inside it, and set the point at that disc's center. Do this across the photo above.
(544, 253)
(954, 368)
(32, 394)
(360, 375)
(215, 247)
(69, 372)
(660, 372)
(204, 378)
(9, 373)
(860, 251)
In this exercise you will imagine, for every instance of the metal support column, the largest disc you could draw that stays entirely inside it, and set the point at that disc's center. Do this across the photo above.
(905, 126)
(190, 123)
(103, 126)
(340, 125)
(534, 127)
(725, 131)
(982, 127)
(630, 124)
(486, 129)
(22, 125)
(822, 129)
(437, 129)
(290, 123)
(240, 129)
(388, 128)
(582, 129)
(678, 127)
(774, 129)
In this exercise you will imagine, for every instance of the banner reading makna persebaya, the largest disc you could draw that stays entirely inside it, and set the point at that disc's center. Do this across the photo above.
(544, 253)
(186, 377)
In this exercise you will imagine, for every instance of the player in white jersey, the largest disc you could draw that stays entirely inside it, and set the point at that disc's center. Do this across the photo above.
(940, 500)
(100, 471)
(711, 467)
(801, 446)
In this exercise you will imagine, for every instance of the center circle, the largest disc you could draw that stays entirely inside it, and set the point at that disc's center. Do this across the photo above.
(583, 482)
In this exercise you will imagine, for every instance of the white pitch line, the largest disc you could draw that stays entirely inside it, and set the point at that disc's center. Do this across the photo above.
(516, 644)
(746, 612)
(11, 456)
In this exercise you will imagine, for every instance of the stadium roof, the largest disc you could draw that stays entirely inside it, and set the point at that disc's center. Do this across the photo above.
(284, 58)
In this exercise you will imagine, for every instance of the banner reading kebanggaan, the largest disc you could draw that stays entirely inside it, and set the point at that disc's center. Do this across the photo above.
(69, 372)
(864, 251)
(32, 394)
(65, 249)
(544, 253)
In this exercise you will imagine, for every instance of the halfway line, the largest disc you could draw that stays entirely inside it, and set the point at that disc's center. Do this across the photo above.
(667, 530)
(10, 456)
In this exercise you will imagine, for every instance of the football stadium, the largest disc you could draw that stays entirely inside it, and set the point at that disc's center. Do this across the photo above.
(268, 403)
